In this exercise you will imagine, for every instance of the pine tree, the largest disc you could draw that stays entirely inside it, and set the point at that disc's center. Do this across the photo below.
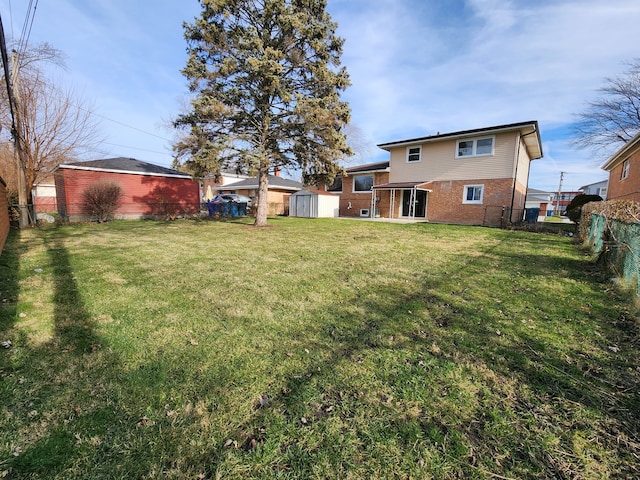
(266, 80)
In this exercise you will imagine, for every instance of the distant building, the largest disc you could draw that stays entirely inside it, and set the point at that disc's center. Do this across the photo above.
(540, 199)
(598, 188)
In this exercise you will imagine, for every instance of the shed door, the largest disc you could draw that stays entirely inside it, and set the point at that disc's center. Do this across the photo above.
(303, 206)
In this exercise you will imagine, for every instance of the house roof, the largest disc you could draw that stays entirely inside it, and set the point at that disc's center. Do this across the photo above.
(403, 185)
(629, 148)
(370, 167)
(529, 131)
(252, 183)
(588, 185)
(312, 191)
(125, 165)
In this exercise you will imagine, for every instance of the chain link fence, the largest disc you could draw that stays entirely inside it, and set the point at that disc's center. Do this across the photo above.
(618, 244)
(612, 229)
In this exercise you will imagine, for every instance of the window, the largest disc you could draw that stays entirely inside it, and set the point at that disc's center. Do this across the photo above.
(473, 194)
(413, 154)
(625, 169)
(475, 147)
(362, 183)
(336, 186)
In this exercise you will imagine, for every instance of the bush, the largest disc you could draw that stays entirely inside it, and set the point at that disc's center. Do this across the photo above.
(101, 199)
(574, 209)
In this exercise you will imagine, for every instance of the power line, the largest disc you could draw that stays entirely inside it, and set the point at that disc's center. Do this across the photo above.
(27, 26)
(124, 124)
(134, 148)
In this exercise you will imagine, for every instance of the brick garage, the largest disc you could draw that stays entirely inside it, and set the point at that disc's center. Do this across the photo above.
(149, 191)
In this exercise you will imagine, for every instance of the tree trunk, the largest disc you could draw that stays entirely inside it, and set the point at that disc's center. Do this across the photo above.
(263, 197)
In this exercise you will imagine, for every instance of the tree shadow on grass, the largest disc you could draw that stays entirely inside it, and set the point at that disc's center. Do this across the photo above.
(74, 327)
(548, 390)
(9, 269)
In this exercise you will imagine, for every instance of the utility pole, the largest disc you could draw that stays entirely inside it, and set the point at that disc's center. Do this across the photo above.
(557, 209)
(11, 79)
(23, 198)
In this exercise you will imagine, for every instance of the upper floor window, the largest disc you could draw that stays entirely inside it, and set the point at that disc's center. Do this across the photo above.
(414, 154)
(474, 147)
(362, 183)
(336, 186)
(625, 169)
(473, 194)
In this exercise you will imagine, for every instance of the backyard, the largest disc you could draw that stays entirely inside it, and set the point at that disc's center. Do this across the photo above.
(316, 349)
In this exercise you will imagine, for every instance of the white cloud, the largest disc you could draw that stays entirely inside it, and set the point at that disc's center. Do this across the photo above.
(417, 70)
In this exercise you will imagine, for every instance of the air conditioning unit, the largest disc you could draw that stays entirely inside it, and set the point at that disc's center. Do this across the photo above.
(364, 212)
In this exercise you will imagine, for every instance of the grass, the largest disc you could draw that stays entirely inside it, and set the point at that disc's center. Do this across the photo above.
(312, 349)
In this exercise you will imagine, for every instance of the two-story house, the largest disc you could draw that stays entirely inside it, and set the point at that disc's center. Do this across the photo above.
(471, 177)
(624, 172)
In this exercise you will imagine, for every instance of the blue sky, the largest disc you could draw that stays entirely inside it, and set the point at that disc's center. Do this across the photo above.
(417, 68)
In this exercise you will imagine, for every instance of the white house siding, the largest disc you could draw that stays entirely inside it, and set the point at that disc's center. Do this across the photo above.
(439, 162)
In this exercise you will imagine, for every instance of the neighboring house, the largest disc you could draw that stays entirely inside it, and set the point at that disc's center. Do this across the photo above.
(280, 189)
(598, 188)
(624, 172)
(149, 191)
(540, 199)
(211, 182)
(44, 196)
(471, 177)
(562, 200)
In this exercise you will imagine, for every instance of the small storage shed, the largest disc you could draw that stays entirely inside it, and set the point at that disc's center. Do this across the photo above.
(314, 204)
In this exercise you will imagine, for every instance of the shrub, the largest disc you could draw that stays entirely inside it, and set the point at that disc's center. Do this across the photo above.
(101, 199)
(574, 209)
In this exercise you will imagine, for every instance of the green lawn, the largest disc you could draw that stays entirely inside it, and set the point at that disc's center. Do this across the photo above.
(312, 349)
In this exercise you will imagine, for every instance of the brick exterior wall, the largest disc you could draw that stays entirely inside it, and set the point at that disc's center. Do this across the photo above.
(143, 195)
(445, 202)
(4, 214)
(629, 188)
(352, 202)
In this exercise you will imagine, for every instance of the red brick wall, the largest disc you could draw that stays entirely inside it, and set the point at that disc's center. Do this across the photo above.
(143, 195)
(359, 200)
(629, 188)
(445, 202)
(4, 214)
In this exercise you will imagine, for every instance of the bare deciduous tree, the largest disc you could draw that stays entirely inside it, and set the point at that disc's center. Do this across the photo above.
(56, 124)
(614, 118)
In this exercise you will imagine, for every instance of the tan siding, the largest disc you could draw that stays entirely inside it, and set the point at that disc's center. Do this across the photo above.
(439, 162)
(522, 174)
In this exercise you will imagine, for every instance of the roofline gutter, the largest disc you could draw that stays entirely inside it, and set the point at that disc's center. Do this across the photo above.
(129, 172)
(465, 133)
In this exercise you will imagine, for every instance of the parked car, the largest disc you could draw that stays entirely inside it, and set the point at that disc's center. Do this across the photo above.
(231, 197)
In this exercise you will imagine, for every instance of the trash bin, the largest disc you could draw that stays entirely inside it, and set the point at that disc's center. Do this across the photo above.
(531, 215)
(233, 209)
